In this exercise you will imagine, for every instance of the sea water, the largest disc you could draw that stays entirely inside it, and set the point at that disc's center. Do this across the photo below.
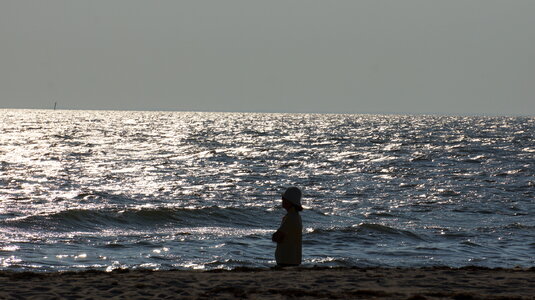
(162, 190)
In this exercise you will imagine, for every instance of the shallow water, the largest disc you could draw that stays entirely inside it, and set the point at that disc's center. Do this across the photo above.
(160, 190)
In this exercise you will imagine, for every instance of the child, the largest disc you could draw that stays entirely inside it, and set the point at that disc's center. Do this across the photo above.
(288, 236)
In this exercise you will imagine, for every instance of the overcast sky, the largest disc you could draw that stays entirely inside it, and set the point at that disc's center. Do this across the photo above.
(446, 57)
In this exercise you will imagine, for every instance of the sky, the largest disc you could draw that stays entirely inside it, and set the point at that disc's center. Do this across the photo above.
(355, 56)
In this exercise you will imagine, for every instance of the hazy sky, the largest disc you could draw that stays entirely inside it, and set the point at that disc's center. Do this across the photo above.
(447, 56)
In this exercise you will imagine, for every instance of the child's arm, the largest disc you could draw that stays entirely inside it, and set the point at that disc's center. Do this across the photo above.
(278, 236)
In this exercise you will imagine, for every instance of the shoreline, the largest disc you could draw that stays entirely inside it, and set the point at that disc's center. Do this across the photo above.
(292, 282)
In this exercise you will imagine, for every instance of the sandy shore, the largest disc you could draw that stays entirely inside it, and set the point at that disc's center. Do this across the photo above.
(293, 283)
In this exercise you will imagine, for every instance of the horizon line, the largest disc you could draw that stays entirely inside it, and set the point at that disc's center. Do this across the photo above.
(285, 112)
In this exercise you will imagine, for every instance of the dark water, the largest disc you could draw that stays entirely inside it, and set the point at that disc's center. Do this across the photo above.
(159, 190)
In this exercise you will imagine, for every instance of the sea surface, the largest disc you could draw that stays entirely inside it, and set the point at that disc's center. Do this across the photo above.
(185, 190)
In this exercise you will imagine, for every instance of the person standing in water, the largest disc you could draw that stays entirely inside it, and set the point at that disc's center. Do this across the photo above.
(289, 235)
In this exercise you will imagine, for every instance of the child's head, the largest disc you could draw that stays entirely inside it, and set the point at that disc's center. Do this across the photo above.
(292, 198)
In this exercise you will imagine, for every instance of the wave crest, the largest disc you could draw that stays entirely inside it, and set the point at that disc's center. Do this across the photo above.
(95, 219)
(369, 229)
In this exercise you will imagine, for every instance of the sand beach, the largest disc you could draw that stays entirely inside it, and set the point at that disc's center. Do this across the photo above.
(288, 283)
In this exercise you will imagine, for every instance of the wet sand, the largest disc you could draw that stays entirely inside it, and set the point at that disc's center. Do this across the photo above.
(288, 283)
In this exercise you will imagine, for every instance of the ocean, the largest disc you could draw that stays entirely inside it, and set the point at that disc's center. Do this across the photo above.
(190, 190)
